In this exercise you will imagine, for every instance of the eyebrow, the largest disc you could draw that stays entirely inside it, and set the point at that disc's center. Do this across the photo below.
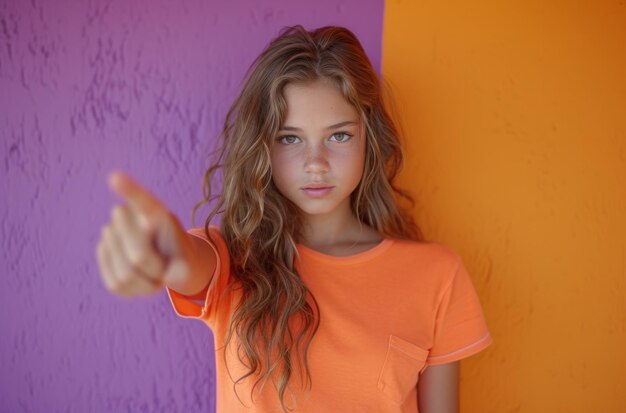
(335, 126)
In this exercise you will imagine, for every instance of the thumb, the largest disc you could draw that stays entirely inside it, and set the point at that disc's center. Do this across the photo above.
(169, 235)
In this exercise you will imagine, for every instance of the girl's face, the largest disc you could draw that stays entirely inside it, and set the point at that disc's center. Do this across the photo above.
(319, 153)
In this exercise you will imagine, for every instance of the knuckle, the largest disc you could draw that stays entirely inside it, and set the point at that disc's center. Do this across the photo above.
(144, 291)
(136, 258)
(109, 282)
(143, 255)
(122, 292)
(125, 278)
(108, 234)
(155, 287)
(117, 213)
(110, 285)
(116, 287)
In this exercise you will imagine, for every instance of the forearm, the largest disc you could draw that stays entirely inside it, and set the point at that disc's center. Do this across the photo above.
(202, 262)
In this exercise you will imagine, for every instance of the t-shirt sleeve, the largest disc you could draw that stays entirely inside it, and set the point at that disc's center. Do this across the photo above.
(460, 327)
(203, 304)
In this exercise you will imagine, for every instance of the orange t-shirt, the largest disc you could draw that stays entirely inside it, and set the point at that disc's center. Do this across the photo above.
(385, 315)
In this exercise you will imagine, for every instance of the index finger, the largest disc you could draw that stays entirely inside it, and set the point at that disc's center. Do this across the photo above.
(139, 198)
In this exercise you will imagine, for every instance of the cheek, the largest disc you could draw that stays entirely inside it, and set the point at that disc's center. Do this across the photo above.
(359, 169)
(280, 169)
(357, 164)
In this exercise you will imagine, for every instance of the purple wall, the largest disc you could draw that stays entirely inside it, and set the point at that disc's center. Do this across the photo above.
(85, 87)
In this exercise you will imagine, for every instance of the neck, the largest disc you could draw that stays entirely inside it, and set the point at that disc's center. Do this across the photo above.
(325, 230)
(336, 229)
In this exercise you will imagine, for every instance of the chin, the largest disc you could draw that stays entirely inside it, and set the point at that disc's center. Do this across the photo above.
(316, 210)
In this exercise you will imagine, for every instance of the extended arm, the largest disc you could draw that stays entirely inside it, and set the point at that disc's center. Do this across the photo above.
(203, 262)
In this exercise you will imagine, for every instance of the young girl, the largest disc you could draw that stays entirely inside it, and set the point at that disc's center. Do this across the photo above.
(320, 292)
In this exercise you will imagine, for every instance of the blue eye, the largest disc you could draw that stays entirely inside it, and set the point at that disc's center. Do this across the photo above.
(341, 137)
(288, 139)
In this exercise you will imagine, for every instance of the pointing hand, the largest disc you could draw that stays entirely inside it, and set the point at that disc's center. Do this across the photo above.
(144, 246)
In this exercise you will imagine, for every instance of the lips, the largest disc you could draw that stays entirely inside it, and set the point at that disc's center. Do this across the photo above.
(317, 186)
(317, 190)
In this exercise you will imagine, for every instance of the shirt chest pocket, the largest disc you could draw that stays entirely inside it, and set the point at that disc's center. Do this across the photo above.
(403, 364)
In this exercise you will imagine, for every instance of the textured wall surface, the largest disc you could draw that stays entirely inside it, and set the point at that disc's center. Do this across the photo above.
(86, 87)
(515, 114)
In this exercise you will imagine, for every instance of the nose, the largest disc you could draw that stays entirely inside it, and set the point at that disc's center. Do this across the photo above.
(316, 160)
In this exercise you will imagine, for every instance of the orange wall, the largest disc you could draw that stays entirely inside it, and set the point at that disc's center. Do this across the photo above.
(515, 122)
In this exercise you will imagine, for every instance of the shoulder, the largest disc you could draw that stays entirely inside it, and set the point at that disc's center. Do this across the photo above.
(425, 252)
(433, 264)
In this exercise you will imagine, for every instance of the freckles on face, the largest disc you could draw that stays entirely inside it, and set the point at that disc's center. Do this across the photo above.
(321, 144)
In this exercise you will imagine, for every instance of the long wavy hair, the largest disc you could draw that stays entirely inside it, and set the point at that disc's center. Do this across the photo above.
(277, 316)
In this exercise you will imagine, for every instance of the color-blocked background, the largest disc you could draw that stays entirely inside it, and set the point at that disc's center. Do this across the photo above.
(515, 138)
(85, 87)
(515, 120)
